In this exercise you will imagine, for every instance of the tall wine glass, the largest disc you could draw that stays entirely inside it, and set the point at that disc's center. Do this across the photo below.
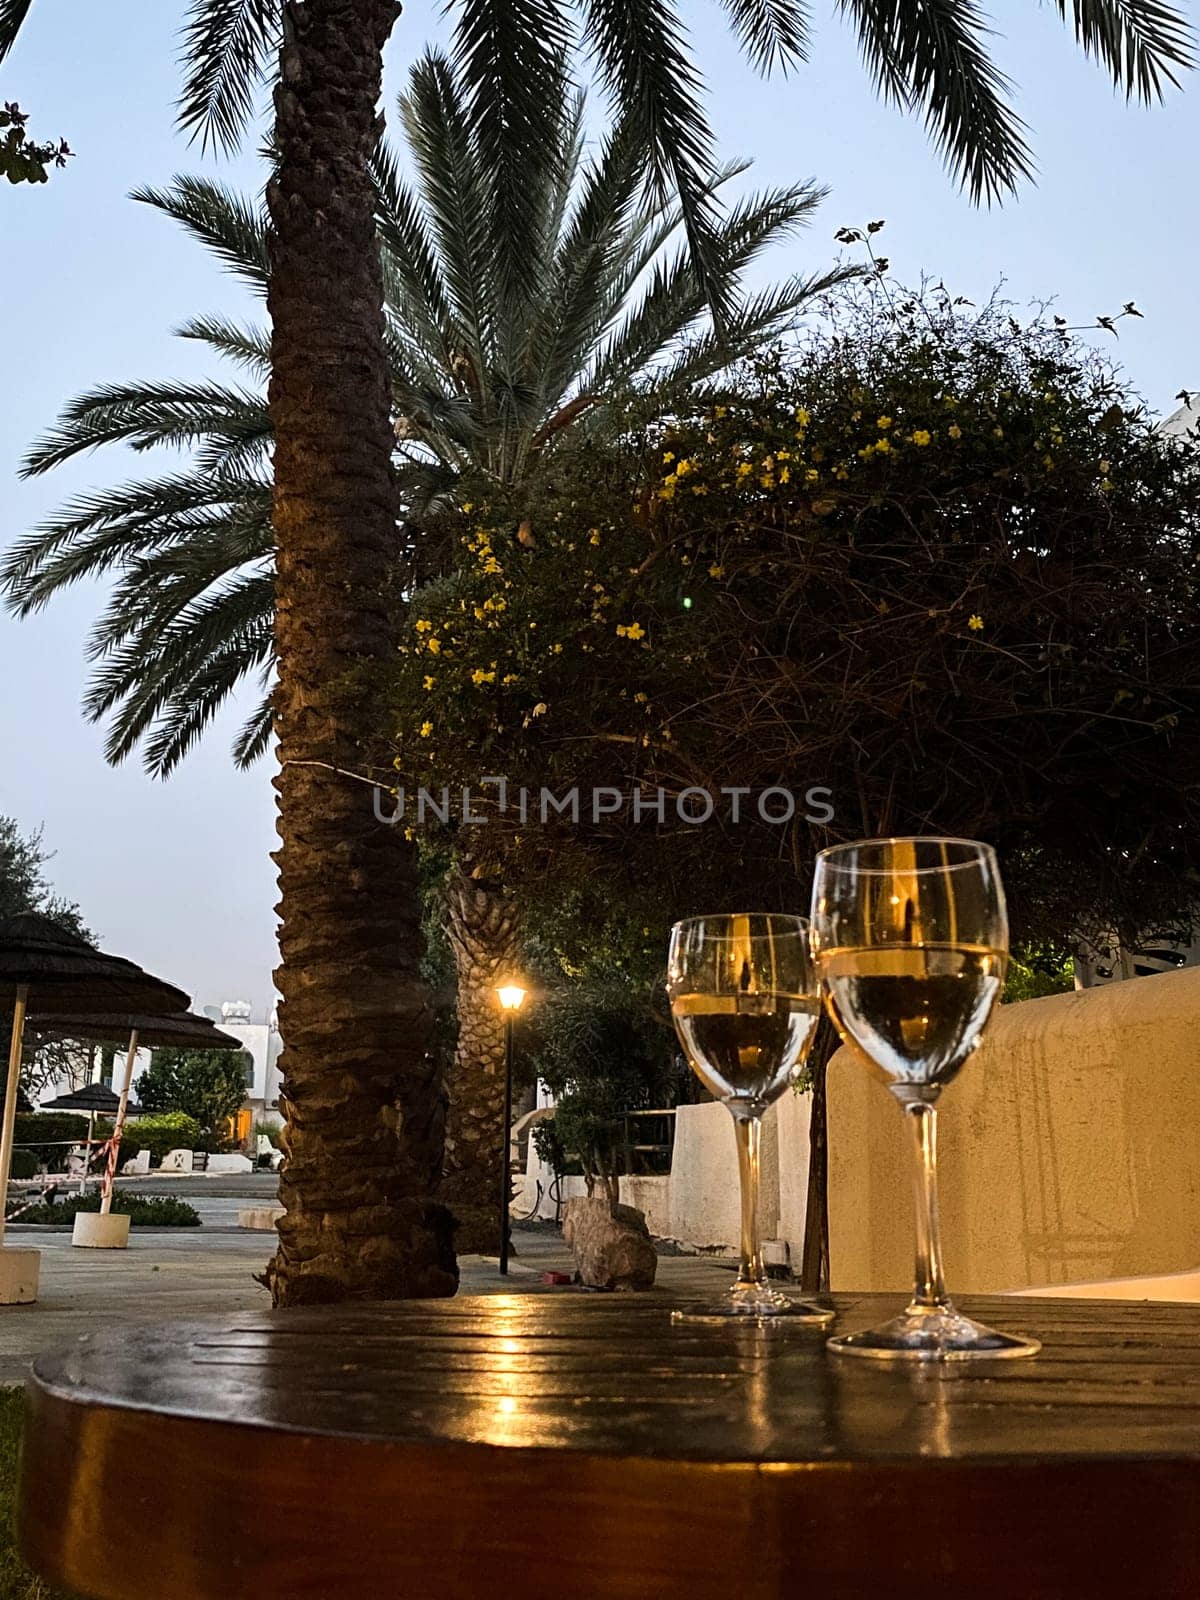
(745, 1005)
(911, 943)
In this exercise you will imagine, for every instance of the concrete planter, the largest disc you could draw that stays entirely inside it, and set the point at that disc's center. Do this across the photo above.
(19, 1272)
(94, 1232)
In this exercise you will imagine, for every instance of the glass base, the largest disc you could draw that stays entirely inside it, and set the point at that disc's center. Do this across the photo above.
(756, 1303)
(933, 1334)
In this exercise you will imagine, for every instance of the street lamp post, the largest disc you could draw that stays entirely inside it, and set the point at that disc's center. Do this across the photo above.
(512, 998)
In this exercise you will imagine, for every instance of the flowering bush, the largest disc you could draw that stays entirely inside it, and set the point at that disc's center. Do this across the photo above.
(936, 559)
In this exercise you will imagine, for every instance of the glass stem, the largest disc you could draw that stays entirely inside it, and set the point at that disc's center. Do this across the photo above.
(748, 1132)
(930, 1290)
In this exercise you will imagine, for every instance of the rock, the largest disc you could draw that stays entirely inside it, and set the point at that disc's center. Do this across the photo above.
(611, 1244)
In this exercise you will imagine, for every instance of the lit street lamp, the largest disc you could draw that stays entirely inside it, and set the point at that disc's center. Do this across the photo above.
(512, 997)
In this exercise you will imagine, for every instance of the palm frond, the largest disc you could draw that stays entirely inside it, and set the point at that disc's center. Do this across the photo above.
(144, 415)
(933, 58)
(759, 319)
(249, 347)
(773, 33)
(1141, 42)
(12, 16)
(674, 300)
(510, 58)
(162, 686)
(410, 258)
(224, 222)
(254, 736)
(640, 46)
(454, 193)
(227, 47)
(109, 529)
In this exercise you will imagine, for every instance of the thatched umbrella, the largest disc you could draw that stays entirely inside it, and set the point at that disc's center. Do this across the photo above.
(94, 1100)
(45, 967)
(133, 1029)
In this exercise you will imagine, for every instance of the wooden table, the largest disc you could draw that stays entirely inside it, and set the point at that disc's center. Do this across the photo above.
(570, 1447)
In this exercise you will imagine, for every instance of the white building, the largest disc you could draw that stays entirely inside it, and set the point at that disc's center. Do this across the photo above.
(261, 1042)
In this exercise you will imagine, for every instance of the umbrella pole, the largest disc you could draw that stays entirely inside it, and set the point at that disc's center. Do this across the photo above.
(114, 1149)
(11, 1091)
(87, 1153)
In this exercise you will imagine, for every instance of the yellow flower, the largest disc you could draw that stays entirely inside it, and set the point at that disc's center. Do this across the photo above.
(975, 622)
(479, 676)
(423, 626)
(883, 446)
(744, 469)
(716, 572)
(721, 411)
(480, 614)
(699, 488)
(632, 630)
(509, 677)
(684, 467)
(594, 536)
(667, 492)
(785, 474)
(668, 457)
(557, 650)
(539, 710)
(426, 729)
(812, 475)
(641, 697)
(803, 416)
(429, 683)
(1048, 463)
(922, 437)
(435, 646)
(467, 506)
(954, 431)
(883, 423)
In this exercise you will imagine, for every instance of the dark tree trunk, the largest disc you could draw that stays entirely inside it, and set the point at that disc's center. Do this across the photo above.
(364, 1116)
(814, 1269)
(485, 937)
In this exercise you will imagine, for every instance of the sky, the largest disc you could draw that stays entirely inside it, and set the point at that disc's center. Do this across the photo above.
(177, 874)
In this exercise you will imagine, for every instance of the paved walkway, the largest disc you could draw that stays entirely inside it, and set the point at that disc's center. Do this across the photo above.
(187, 1272)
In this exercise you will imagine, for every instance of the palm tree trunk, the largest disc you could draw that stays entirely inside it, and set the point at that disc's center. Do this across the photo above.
(363, 1139)
(485, 937)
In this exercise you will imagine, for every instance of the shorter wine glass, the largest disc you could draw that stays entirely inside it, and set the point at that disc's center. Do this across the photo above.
(911, 942)
(745, 1006)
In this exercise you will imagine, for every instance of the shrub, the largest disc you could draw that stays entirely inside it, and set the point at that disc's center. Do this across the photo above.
(145, 1210)
(51, 1126)
(165, 1130)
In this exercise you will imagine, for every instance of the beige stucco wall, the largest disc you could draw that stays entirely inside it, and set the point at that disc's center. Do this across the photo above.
(705, 1203)
(1070, 1148)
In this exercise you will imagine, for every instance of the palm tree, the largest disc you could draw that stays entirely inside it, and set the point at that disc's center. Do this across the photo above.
(484, 384)
(363, 1118)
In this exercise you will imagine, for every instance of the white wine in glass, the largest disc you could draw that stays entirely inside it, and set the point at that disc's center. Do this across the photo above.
(745, 1005)
(911, 943)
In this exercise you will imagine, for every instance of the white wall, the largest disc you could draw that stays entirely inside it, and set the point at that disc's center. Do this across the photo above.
(699, 1204)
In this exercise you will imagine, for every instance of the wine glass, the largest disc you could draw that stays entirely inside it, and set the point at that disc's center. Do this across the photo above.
(745, 1006)
(910, 938)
